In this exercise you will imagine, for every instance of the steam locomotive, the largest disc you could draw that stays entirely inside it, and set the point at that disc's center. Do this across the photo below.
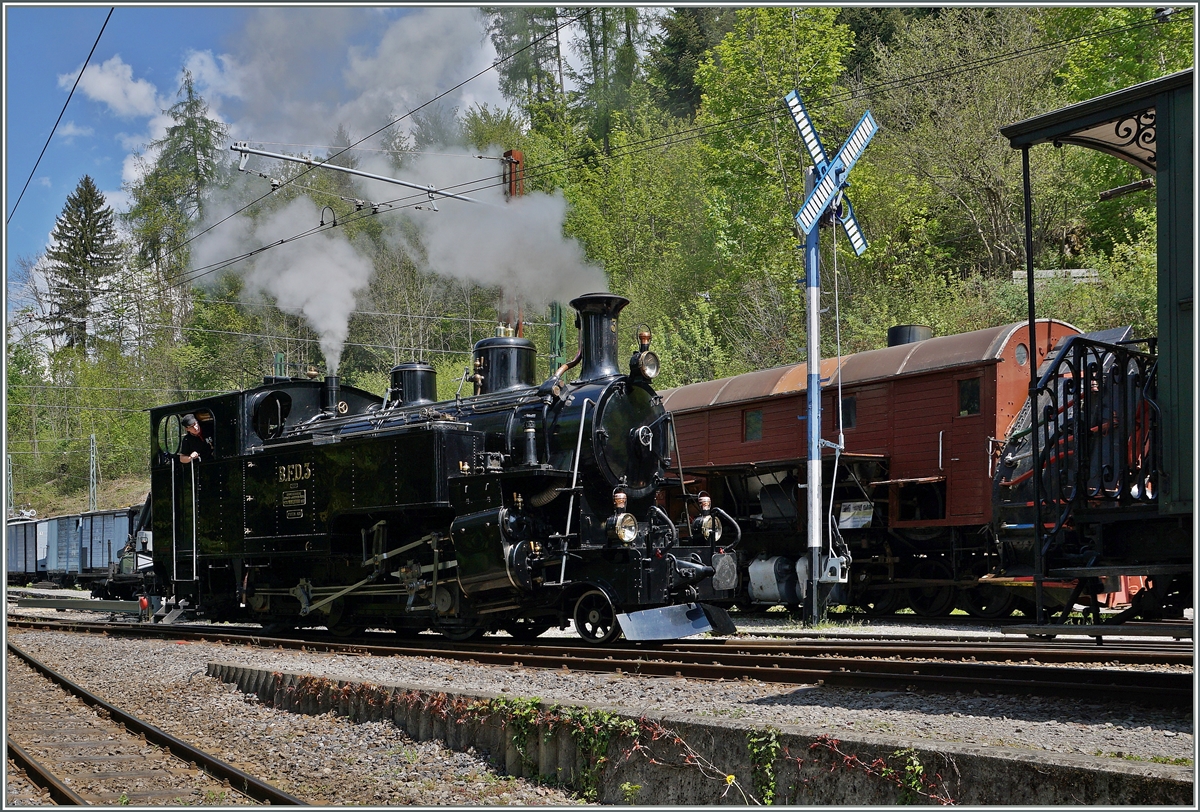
(519, 507)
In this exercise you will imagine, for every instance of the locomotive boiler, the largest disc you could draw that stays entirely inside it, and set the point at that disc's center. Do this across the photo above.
(521, 506)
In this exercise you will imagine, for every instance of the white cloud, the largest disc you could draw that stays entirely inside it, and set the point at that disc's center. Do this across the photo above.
(113, 84)
(117, 199)
(298, 76)
(44, 181)
(216, 76)
(69, 130)
(433, 50)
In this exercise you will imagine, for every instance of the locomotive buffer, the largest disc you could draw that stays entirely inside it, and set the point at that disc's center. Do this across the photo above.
(824, 185)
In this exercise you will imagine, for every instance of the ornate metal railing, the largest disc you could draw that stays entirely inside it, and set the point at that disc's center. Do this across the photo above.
(1098, 433)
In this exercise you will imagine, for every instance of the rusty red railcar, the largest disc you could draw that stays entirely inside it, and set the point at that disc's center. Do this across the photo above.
(914, 431)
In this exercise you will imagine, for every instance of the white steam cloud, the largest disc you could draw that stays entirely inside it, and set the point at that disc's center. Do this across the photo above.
(516, 245)
(294, 76)
(318, 277)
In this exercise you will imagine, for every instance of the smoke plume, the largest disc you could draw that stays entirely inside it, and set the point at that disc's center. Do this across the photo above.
(317, 277)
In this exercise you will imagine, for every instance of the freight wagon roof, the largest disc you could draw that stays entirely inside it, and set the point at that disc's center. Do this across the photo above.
(919, 357)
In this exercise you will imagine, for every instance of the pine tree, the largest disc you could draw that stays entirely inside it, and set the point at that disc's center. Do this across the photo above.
(687, 35)
(191, 146)
(168, 198)
(84, 253)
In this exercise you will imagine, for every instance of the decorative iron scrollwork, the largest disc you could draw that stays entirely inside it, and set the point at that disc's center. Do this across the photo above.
(1140, 129)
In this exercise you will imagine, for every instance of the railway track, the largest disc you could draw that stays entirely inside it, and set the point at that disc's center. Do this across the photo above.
(84, 751)
(1033, 668)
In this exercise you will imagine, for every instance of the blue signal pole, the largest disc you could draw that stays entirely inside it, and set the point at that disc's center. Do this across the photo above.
(812, 285)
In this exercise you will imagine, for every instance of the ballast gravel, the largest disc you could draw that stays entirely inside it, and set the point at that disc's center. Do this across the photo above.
(328, 760)
(325, 760)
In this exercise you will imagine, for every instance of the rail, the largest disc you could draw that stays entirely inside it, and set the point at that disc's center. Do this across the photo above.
(239, 780)
(1003, 667)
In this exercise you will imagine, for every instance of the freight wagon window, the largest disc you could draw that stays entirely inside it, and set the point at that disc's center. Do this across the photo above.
(968, 397)
(752, 425)
(849, 411)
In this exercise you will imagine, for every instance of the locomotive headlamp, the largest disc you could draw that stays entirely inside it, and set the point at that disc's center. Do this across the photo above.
(643, 362)
(623, 527)
(708, 527)
(647, 365)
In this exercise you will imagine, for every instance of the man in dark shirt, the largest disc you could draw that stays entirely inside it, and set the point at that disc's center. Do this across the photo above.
(194, 445)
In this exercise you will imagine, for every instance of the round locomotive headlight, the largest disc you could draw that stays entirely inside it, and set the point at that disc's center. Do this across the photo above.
(648, 365)
(623, 527)
(710, 528)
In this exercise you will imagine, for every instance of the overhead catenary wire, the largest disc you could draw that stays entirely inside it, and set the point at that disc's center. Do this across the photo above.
(61, 113)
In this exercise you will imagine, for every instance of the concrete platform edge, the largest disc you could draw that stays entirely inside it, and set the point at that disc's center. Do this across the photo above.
(676, 759)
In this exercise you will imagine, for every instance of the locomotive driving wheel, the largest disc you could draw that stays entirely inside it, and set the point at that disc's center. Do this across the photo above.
(880, 601)
(595, 618)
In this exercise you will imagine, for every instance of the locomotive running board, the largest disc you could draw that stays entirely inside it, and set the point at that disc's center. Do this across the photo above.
(672, 622)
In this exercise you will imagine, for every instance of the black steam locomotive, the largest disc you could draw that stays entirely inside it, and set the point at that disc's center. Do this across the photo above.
(520, 507)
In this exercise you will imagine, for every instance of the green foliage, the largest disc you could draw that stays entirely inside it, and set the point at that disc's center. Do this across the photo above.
(607, 48)
(940, 133)
(764, 747)
(484, 127)
(84, 253)
(168, 197)
(676, 53)
(1128, 45)
(629, 791)
(521, 718)
(592, 731)
(871, 27)
(910, 778)
(688, 348)
(533, 74)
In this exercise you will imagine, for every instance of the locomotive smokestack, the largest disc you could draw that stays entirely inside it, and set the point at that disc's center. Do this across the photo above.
(598, 314)
(331, 394)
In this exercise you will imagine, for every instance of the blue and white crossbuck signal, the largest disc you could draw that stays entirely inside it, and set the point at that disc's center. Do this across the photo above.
(833, 173)
(826, 182)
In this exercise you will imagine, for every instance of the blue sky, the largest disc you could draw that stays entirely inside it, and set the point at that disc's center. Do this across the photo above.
(273, 74)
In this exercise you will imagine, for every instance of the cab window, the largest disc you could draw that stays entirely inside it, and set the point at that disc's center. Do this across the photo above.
(170, 432)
